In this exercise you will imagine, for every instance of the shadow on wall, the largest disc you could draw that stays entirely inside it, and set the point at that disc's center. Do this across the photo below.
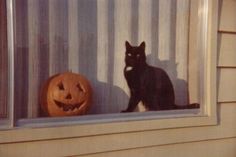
(170, 65)
(107, 98)
(180, 85)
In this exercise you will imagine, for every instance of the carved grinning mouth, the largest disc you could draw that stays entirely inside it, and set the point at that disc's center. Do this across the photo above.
(68, 107)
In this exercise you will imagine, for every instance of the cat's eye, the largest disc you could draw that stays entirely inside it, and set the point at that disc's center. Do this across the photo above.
(129, 54)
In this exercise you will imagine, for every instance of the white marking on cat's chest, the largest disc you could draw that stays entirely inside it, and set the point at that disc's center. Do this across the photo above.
(129, 68)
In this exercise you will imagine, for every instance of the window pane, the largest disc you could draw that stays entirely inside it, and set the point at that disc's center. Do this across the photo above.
(3, 61)
(88, 37)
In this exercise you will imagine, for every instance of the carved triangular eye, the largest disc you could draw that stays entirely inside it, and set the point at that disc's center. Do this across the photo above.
(79, 87)
(61, 86)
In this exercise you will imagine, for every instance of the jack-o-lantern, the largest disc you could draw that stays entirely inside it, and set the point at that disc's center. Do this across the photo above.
(66, 94)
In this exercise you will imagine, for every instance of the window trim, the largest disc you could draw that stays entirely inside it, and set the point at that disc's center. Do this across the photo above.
(10, 38)
(8, 121)
(112, 125)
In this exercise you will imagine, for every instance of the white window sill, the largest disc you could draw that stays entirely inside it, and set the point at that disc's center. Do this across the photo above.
(56, 128)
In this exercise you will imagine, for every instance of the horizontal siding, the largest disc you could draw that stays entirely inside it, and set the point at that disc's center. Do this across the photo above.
(227, 84)
(114, 142)
(227, 50)
(227, 14)
(216, 148)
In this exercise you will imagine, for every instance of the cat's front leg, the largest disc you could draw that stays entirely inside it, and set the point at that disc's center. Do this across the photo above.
(133, 102)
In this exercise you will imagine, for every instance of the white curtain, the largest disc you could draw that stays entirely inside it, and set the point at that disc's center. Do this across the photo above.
(88, 36)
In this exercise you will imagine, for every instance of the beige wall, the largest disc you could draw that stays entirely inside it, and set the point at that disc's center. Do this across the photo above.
(217, 141)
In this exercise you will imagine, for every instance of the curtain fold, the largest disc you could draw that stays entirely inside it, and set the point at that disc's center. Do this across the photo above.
(88, 37)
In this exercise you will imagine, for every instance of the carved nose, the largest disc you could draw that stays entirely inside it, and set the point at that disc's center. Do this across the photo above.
(68, 96)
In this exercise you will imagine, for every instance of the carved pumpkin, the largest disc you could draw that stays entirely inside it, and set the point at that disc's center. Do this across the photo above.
(66, 94)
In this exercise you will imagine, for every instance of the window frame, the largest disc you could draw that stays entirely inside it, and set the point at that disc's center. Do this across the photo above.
(8, 122)
(121, 123)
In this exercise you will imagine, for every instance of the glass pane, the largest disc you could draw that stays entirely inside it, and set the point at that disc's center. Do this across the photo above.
(88, 37)
(3, 61)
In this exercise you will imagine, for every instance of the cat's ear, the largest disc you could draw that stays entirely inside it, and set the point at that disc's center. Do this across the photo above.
(142, 45)
(127, 45)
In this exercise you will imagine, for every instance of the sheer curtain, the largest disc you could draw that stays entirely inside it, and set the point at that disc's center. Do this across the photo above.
(88, 36)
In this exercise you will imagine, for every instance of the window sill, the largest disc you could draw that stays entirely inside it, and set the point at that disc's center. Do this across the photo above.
(58, 128)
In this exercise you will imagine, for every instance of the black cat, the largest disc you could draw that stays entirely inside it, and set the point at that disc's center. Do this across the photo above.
(148, 84)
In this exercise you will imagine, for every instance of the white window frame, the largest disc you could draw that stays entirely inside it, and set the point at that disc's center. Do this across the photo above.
(91, 125)
(9, 121)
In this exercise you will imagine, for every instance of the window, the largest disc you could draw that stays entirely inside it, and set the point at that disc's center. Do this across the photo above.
(88, 36)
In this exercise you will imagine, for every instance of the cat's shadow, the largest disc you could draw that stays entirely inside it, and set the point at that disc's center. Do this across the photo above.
(180, 85)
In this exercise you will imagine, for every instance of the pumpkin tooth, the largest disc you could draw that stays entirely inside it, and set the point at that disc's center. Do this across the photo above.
(68, 107)
(72, 108)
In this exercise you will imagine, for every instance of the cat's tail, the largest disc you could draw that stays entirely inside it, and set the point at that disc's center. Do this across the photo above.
(189, 106)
